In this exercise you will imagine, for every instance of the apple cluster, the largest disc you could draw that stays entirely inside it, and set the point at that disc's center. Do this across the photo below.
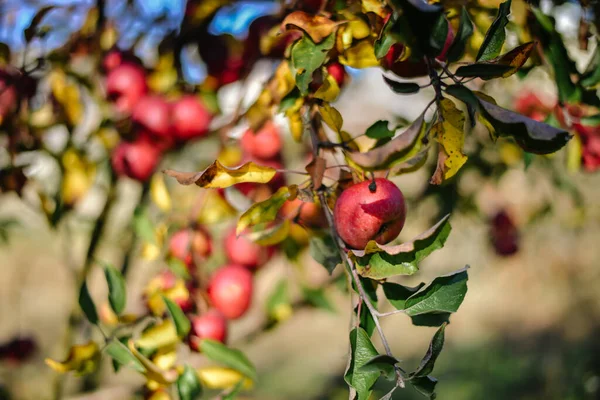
(158, 124)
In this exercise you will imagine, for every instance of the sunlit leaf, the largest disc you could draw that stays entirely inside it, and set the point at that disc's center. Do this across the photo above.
(329, 90)
(222, 378)
(219, 176)
(231, 358)
(82, 359)
(160, 335)
(266, 210)
(331, 117)
(383, 261)
(361, 55)
(316, 26)
(449, 131)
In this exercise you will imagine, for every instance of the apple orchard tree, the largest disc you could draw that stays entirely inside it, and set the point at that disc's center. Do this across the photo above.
(345, 210)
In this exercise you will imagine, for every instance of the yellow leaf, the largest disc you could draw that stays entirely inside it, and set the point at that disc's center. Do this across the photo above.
(153, 373)
(362, 55)
(165, 358)
(66, 94)
(222, 378)
(329, 90)
(83, 359)
(450, 133)
(316, 26)
(178, 293)
(331, 117)
(574, 149)
(219, 176)
(375, 6)
(266, 211)
(230, 156)
(295, 119)
(158, 336)
(272, 235)
(159, 193)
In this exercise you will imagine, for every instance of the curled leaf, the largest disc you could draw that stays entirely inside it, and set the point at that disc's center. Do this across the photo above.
(266, 210)
(82, 359)
(153, 372)
(316, 26)
(503, 66)
(449, 131)
(219, 176)
(222, 378)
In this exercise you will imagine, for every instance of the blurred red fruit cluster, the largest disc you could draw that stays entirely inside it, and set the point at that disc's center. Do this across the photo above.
(504, 234)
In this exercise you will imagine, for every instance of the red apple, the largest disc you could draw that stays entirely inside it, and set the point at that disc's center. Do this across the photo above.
(242, 251)
(504, 234)
(136, 159)
(153, 113)
(307, 214)
(338, 72)
(370, 210)
(590, 140)
(230, 290)
(406, 68)
(264, 144)
(126, 85)
(190, 118)
(209, 325)
(8, 94)
(187, 244)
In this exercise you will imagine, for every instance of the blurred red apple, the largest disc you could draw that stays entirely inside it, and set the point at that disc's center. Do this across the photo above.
(242, 251)
(264, 144)
(338, 72)
(126, 85)
(190, 118)
(8, 94)
(230, 290)
(153, 113)
(307, 214)
(504, 234)
(188, 244)
(406, 68)
(370, 210)
(209, 325)
(590, 140)
(136, 159)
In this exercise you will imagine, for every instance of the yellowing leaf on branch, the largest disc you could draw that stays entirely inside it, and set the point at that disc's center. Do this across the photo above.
(266, 211)
(158, 336)
(222, 378)
(82, 359)
(153, 373)
(361, 55)
(218, 176)
(295, 119)
(316, 26)
(159, 193)
(449, 131)
(272, 235)
(329, 90)
(331, 117)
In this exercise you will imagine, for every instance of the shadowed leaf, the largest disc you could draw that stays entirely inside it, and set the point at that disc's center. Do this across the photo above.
(362, 351)
(188, 384)
(465, 30)
(495, 36)
(503, 66)
(402, 87)
(87, 304)
(428, 361)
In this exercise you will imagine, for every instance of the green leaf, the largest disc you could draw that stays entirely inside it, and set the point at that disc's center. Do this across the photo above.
(533, 136)
(465, 30)
(380, 261)
(307, 57)
(431, 319)
(117, 294)
(435, 348)
(143, 226)
(402, 87)
(380, 130)
(381, 363)
(279, 297)
(425, 386)
(365, 318)
(188, 384)
(501, 67)
(404, 147)
(362, 351)
(266, 210)
(324, 251)
(443, 295)
(33, 29)
(122, 356)
(178, 267)
(495, 36)
(398, 294)
(235, 391)
(231, 358)
(289, 100)
(87, 304)
(182, 323)
(557, 54)
(386, 39)
(317, 298)
(438, 36)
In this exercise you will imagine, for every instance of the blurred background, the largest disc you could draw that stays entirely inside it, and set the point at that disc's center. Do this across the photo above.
(528, 228)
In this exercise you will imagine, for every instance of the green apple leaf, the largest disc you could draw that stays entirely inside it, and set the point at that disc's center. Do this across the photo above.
(317, 298)
(87, 304)
(444, 294)
(122, 356)
(495, 36)
(188, 384)
(380, 130)
(182, 323)
(402, 87)
(383, 364)
(428, 361)
(501, 67)
(465, 30)
(324, 251)
(362, 351)
(231, 358)
(307, 57)
(381, 261)
(425, 385)
(117, 294)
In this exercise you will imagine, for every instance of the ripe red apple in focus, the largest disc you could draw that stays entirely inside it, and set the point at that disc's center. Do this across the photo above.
(126, 85)
(370, 210)
(209, 325)
(243, 251)
(230, 290)
(189, 243)
(136, 159)
(154, 114)
(190, 118)
(338, 72)
(264, 144)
